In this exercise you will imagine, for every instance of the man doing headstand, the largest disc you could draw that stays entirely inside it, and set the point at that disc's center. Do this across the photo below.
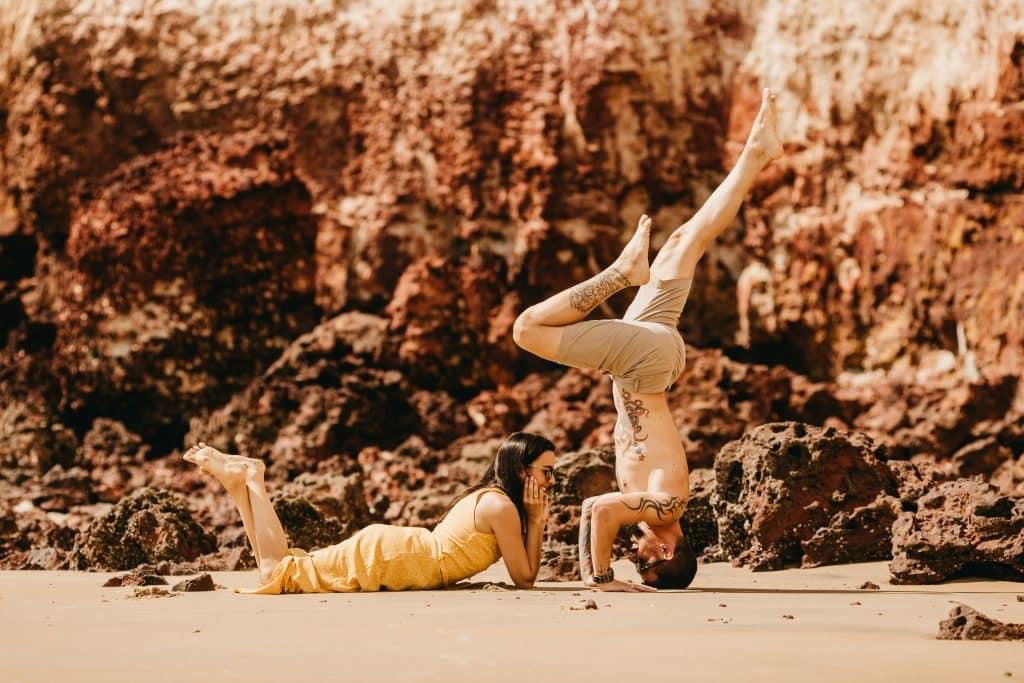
(644, 355)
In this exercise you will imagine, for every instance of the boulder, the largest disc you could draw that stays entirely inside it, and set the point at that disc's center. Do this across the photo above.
(782, 482)
(961, 528)
(146, 527)
(915, 478)
(33, 438)
(191, 268)
(967, 623)
(1009, 477)
(114, 456)
(203, 582)
(60, 489)
(982, 457)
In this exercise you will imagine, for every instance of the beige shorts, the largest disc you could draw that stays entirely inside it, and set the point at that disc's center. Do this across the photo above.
(644, 352)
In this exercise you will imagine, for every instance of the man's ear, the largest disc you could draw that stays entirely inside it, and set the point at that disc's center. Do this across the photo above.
(666, 551)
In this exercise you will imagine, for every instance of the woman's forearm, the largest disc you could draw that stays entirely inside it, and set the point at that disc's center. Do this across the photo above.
(534, 542)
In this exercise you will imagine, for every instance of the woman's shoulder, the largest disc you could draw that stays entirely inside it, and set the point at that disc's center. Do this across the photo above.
(493, 501)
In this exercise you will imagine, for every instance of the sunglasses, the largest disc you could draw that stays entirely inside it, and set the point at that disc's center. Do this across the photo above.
(644, 566)
(548, 470)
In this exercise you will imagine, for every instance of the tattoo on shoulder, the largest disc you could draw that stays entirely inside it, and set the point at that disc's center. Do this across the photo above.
(666, 508)
(586, 296)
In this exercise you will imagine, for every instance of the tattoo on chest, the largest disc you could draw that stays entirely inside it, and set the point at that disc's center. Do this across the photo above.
(635, 410)
(666, 508)
(586, 296)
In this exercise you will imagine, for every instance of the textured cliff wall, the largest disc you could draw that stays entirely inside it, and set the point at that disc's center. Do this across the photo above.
(202, 205)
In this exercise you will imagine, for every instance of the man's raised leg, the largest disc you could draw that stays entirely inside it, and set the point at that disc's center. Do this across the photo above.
(679, 256)
(539, 328)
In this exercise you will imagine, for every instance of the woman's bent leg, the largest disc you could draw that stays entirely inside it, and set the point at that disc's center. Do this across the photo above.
(269, 532)
(243, 479)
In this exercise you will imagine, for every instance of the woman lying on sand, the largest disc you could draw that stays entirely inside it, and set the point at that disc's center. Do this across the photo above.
(503, 515)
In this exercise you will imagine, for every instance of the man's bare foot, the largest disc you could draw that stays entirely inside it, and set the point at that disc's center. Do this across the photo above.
(229, 470)
(632, 262)
(763, 142)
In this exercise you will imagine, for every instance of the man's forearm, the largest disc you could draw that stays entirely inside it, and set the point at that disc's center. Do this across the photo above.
(602, 538)
(586, 563)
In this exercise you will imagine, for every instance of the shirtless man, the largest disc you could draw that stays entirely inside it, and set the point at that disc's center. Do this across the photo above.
(644, 355)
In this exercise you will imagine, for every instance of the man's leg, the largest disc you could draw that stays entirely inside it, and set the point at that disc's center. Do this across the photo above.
(243, 479)
(679, 256)
(539, 328)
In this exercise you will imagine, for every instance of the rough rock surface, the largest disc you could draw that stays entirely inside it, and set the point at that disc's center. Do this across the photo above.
(961, 528)
(203, 582)
(580, 475)
(326, 395)
(197, 261)
(114, 456)
(146, 527)
(862, 535)
(31, 438)
(698, 522)
(185, 192)
(967, 623)
(321, 510)
(782, 482)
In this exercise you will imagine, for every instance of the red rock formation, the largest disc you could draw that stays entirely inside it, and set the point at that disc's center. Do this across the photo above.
(967, 623)
(184, 194)
(326, 395)
(788, 493)
(190, 268)
(961, 528)
(148, 526)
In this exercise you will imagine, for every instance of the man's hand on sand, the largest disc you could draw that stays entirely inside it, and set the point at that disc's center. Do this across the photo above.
(620, 586)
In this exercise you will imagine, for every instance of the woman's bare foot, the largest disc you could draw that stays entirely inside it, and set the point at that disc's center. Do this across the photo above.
(632, 262)
(229, 470)
(763, 141)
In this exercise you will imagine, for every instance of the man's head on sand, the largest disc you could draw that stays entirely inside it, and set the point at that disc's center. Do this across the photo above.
(664, 560)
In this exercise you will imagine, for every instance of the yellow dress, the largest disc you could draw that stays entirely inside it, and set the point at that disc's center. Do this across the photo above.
(394, 558)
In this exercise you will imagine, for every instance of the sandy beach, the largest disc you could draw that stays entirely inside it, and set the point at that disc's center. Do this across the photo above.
(730, 626)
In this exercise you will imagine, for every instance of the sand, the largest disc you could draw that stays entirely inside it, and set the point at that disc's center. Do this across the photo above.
(730, 626)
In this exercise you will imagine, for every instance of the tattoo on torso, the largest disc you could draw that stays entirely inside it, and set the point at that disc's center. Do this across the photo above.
(634, 410)
(666, 508)
(585, 296)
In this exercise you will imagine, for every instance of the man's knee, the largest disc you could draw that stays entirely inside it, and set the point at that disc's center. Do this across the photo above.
(522, 328)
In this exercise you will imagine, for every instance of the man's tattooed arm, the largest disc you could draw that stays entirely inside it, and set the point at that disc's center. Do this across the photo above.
(585, 296)
(667, 509)
(586, 561)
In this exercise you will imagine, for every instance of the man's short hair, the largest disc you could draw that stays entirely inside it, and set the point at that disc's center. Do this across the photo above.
(677, 572)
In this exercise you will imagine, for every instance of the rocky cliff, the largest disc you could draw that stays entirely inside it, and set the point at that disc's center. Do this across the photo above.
(303, 230)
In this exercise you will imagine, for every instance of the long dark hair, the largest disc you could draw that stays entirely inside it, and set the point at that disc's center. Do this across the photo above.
(506, 470)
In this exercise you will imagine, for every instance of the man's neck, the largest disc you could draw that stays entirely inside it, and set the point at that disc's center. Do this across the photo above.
(668, 534)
